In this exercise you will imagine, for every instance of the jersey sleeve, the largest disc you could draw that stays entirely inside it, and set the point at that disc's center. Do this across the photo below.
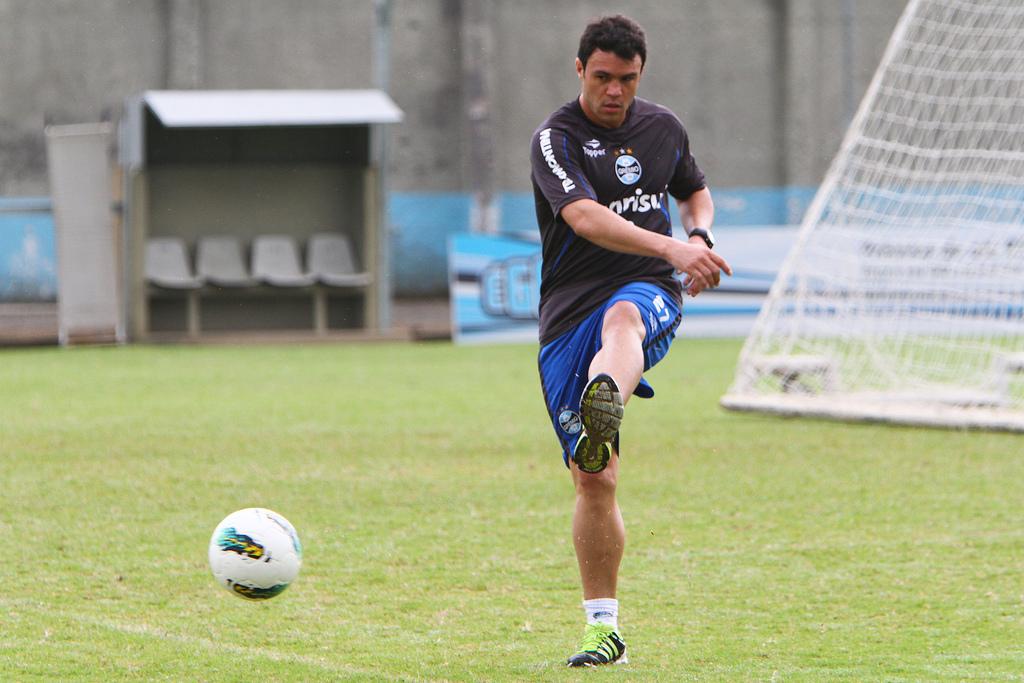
(687, 178)
(556, 166)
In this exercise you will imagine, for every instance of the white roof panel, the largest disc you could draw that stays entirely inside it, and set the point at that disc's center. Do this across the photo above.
(229, 108)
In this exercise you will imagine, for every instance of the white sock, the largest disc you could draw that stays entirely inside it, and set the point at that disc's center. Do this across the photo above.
(603, 611)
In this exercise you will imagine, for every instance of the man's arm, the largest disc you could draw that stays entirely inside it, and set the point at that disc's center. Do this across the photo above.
(697, 210)
(605, 228)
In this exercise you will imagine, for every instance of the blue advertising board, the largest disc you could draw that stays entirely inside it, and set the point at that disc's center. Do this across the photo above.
(27, 255)
(494, 284)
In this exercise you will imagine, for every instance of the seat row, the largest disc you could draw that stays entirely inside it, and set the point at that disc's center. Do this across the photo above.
(276, 261)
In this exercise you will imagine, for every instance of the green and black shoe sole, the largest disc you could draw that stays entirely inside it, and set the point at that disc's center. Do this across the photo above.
(601, 409)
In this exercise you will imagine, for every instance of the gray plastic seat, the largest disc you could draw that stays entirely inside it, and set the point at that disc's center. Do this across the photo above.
(332, 261)
(167, 264)
(275, 261)
(219, 261)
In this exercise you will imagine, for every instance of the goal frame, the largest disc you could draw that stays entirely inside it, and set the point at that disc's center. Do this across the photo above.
(981, 412)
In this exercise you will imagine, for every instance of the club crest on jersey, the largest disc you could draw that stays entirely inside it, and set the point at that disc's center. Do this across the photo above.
(627, 168)
(569, 421)
(592, 148)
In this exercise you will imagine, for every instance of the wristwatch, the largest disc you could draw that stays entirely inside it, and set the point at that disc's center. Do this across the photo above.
(709, 239)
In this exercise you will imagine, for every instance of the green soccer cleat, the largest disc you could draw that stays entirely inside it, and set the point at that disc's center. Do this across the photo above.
(601, 413)
(601, 645)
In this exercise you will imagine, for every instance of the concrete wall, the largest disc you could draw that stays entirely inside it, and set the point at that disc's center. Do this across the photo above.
(70, 61)
(764, 86)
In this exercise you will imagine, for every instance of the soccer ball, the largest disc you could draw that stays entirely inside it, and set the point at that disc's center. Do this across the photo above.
(255, 553)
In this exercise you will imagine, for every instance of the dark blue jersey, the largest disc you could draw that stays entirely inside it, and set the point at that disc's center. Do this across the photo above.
(632, 170)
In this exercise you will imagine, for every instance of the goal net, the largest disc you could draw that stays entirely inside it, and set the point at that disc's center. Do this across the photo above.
(902, 299)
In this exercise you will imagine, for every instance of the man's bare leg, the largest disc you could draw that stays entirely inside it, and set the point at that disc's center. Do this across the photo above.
(598, 532)
(622, 351)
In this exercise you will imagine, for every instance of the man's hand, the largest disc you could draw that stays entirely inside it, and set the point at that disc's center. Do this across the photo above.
(702, 266)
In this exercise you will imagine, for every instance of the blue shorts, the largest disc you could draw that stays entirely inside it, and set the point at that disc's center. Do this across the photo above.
(565, 362)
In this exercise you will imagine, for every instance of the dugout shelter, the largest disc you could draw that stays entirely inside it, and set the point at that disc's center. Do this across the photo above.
(254, 210)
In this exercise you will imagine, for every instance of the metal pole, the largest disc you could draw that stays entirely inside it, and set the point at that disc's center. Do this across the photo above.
(378, 153)
(849, 74)
(477, 73)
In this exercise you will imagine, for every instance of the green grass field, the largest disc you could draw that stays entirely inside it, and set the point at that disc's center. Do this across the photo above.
(434, 510)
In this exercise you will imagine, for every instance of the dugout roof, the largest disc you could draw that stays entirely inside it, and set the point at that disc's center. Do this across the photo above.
(213, 109)
(232, 108)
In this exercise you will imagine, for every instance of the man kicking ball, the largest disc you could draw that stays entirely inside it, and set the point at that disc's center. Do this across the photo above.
(603, 167)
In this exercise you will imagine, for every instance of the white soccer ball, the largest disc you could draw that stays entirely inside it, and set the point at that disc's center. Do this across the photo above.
(255, 553)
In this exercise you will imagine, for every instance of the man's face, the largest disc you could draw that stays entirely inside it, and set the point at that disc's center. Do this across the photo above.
(608, 86)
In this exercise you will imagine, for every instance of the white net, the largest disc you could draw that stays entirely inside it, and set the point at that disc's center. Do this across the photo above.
(903, 298)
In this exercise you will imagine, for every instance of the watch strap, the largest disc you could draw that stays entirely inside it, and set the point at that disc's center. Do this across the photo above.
(704, 235)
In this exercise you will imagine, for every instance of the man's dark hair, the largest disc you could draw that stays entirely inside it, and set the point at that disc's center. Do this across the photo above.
(618, 34)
